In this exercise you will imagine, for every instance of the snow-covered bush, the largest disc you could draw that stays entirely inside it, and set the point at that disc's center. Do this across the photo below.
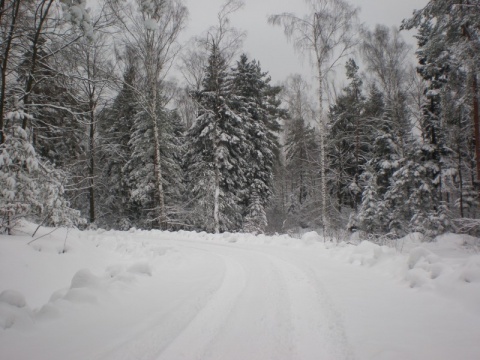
(30, 187)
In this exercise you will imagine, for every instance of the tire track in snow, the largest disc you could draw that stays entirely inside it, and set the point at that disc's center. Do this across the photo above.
(167, 323)
(265, 305)
(238, 324)
(284, 312)
(195, 336)
(259, 325)
(319, 329)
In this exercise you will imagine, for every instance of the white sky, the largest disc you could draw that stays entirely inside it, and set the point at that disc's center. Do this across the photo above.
(267, 44)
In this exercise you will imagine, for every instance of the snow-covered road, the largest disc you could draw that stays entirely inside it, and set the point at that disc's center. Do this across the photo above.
(152, 295)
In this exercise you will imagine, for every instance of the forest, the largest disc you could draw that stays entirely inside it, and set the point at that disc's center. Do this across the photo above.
(94, 134)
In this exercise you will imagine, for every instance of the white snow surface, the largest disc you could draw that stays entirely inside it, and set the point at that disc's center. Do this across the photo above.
(115, 295)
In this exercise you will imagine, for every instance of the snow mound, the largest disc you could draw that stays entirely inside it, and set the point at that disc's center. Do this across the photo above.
(416, 277)
(421, 257)
(85, 279)
(311, 237)
(470, 273)
(113, 271)
(14, 310)
(82, 295)
(142, 267)
(48, 312)
(445, 265)
(13, 298)
(369, 254)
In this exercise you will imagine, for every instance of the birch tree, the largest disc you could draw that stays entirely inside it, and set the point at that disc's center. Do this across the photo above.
(326, 35)
(152, 29)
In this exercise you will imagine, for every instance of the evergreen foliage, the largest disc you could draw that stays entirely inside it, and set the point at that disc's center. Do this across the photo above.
(217, 142)
(31, 188)
(78, 138)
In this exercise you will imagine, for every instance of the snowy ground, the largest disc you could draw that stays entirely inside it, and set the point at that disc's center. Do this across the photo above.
(160, 295)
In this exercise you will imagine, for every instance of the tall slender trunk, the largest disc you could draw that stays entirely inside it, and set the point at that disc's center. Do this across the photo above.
(30, 79)
(161, 212)
(153, 69)
(356, 197)
(6, 54)
(460, 179)
(216, 194)
(216, 200)
(475, 112)
(323, 181)
(476, 127)
(216, 144)
(91, 189)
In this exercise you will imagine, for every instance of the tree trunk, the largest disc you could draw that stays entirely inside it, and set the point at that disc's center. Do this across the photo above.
(216, 201)
(216, 195)
(6, 54)
(460, 178)
(323, 181)
(161, 213)
(91, 189)
(476, 128)
(30, 79)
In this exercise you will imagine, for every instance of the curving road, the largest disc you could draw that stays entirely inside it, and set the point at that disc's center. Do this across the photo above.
(172, 296)
(241, 301)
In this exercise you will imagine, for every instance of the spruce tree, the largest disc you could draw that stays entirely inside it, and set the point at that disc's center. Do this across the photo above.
(301, 152)
(369, 214)
(449, 30)
(254, 99)
(347, 146)
(116, 128)
(30, 187)
(216, 152)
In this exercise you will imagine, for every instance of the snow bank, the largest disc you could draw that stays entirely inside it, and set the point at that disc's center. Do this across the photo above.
(13, 298)
(449, 265)
(444, 264)
(65, 281)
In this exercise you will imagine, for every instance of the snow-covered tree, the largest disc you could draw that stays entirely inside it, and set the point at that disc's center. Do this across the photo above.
(301, 156)
(31, 188)
(450, 28)
(368, 218)
(216, 151)
(152, 28)
(327, 34)
(32, 36)
(348, 144)
(296, 200)
(254, 99)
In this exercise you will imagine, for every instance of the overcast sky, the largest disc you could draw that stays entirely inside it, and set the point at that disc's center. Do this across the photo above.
(267, 43)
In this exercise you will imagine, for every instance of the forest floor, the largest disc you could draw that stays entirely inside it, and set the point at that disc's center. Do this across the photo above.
(115, 295)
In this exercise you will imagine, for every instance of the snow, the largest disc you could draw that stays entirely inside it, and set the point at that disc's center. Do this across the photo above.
(184, 295)
(151, 24)
(13, 298)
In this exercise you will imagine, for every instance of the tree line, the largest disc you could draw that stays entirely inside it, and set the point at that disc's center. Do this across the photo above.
(92, 133)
